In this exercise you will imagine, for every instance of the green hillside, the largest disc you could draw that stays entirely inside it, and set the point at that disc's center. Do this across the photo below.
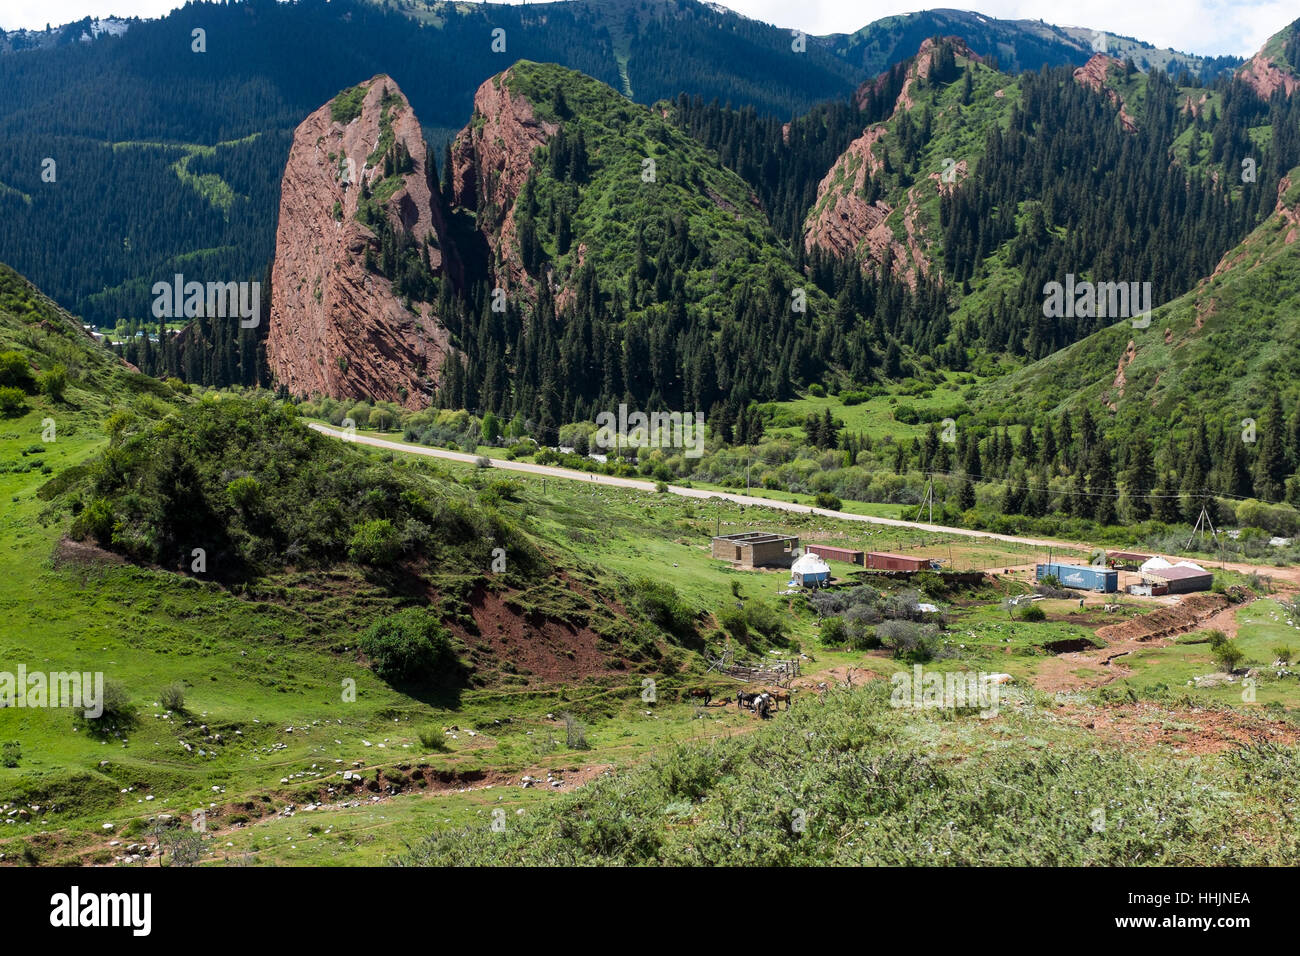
(1223, 349)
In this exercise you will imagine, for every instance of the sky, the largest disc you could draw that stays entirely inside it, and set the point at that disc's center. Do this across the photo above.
(1206, 27)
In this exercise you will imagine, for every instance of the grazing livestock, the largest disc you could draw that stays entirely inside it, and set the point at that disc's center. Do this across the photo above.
(700, 693)
(763, 706)
(778, 695)
(745, 699)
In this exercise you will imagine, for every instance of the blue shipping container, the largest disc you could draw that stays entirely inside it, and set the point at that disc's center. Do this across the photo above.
(1082, 577)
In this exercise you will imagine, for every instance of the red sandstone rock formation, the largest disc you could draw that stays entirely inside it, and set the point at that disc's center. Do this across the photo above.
(336, 327)
(1093, 74)
(491, 159)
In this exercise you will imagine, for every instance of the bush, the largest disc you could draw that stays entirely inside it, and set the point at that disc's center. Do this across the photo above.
(910, 641)
(1216, 639)
(828, 501)
(834, 633)
(16, 372)
(662, 606)
(375, 542)
(1032, 612)
(575, 735)
(12, 400)
(431, 738)
(1282, 653)
(95, 521)
(11, 753)
(410, 646)
(1228, 655)
(732, 620)
(244, 492)
(54, 382)
(173, 697)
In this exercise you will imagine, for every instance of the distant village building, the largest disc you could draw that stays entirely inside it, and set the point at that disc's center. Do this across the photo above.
(884, 561)
(756, 549)
(1180, 578)
(832, 553)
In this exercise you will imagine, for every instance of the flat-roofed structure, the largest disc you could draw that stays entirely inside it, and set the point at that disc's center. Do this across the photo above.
(756, 549)
(884, 561)
(1180, 579)
(830, 552)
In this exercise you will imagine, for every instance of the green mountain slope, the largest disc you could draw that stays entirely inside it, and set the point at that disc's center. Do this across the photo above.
(670, 285)
(1223, 349)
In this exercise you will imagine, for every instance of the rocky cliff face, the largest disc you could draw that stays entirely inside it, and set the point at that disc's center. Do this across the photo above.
(1093, 74)
(337, 327)
(491, 159)
(844, 223)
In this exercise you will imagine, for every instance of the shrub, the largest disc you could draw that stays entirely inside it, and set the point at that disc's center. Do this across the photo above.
(12, 400)
(54, 382)
(95, 521)
(817, 390)
(1228, 655)
(662, 606)
(767, 621)
(410, 646)
(834, 633)
(734, 623)
(1032, 612)
(910, 641)
(828, 501)
(431, 738)
(16, 372)
(1282, 653)
(575, 735)
(375, 542)
(173, 697)
(244, 492)
(11, 753)
(1216, 638)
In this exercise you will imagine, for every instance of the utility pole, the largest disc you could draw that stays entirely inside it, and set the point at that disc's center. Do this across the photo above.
(1203, 521)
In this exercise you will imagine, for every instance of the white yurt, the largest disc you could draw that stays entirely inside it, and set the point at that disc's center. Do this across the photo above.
(811, 571)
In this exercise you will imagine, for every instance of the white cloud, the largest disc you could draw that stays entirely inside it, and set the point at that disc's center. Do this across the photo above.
(1210, 27)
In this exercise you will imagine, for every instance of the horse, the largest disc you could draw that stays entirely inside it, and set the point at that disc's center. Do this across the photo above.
(763, 706)
(778, 695)
(745, 699)
(700, 693)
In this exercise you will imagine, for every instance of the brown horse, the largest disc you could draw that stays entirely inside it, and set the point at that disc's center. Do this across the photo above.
(778, 696)
(700, 693)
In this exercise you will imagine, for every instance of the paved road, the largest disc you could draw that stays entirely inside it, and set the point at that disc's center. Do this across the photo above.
(550, 471)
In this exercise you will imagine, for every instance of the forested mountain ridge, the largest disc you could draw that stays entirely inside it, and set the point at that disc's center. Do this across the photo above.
(993, 186)
(611, 257)
(1015, 45)
(1225, 350)
(128, 108)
